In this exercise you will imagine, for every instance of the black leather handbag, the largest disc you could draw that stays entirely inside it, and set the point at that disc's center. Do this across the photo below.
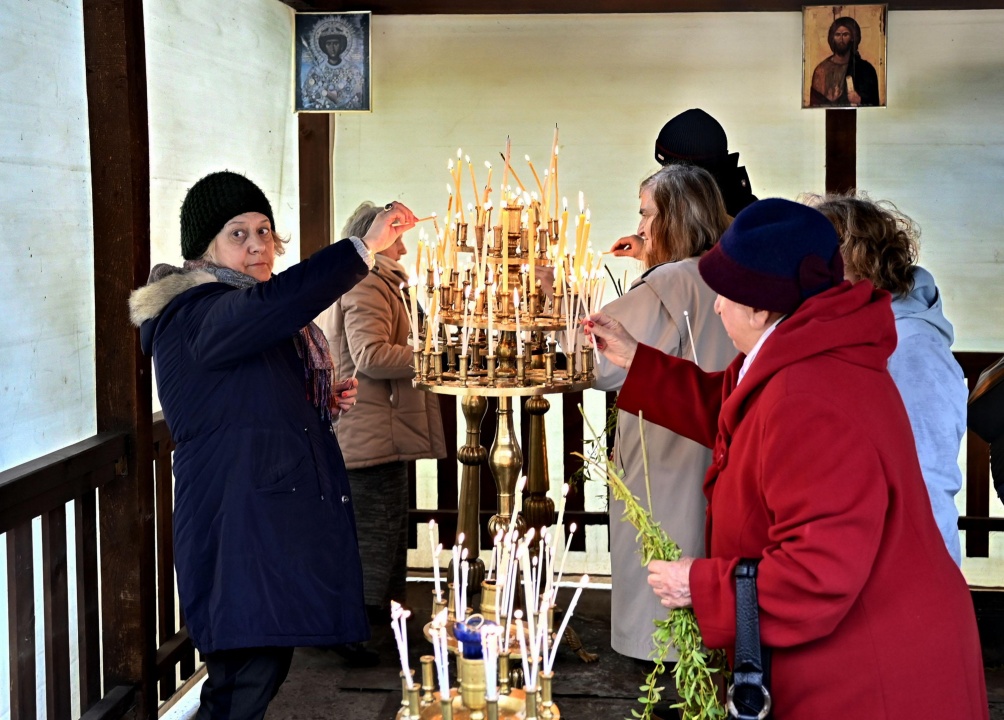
(749, 694)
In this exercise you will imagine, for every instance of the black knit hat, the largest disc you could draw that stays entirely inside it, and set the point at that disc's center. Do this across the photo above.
(774, 256)
(211, 203)
(692, 136)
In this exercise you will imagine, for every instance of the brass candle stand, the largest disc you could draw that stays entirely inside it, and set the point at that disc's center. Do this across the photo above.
(512, 289)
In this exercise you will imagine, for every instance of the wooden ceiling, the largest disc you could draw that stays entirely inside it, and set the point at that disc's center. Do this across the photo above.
(510, 7)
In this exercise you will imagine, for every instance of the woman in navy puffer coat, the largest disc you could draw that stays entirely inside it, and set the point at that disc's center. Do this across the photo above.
(265, 543)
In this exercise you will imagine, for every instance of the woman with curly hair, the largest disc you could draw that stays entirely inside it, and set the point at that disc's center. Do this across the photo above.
(879, 244)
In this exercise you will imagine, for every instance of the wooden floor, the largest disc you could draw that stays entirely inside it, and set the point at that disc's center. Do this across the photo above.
(319, 687)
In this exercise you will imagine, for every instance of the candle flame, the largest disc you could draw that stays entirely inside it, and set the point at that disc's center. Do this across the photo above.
(564, 203)
(582, 201)
(467, 159)
(449, 165)
(488, 165)
(459, 153)
(527, 158)
(572, 527)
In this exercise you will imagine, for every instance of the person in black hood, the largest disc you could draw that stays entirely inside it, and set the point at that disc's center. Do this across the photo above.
(695, 138)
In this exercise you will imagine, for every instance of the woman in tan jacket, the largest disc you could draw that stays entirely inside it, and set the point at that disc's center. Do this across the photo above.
(392, 422)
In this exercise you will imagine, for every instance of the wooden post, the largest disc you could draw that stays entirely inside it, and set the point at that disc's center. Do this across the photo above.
(316, 175)
(841, 150)
(114, 56)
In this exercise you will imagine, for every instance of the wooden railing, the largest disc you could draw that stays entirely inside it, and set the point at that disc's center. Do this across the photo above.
(44, 487)
(977, 521)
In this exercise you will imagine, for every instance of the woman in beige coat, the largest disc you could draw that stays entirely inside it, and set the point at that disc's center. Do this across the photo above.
(682, 216)
(392, 422)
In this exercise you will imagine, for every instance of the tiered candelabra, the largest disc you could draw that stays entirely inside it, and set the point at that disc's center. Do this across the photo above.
(503, 305)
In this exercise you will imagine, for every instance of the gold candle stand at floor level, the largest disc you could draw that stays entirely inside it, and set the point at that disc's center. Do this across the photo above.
(512, 706)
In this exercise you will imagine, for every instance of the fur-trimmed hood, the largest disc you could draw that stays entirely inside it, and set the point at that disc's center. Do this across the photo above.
(166, 283)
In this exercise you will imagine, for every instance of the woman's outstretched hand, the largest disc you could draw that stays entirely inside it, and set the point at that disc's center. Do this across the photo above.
(629, 246)
(388, 225)
(611, 339)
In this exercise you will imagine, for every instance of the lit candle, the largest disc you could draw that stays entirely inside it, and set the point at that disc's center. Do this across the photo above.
(474, 182)
(436, 551)
(467, 329)
(554, 166)
(564, 227)
(535, 176)
(456, 183)
(491, 320)
(412, 293)
(488, 185)
(561, 511)
(505, 252)
(519, 332)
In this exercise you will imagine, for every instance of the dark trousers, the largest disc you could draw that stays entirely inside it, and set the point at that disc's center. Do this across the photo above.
(380, 500)
(241, 683)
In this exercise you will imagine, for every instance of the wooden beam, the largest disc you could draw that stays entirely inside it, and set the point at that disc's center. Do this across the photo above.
(841, 150)
(115, 63)
(529, 7)
(316, 175)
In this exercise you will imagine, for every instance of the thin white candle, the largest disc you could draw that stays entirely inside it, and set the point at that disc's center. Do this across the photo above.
(522, 651)
(561, 568)
(559, 526)
(490, 656)
(549, 660)
(465, 568)
(397, 616)
(495, 551)
(520, 484)
(690, 334)
(528, 596)
(436, 551)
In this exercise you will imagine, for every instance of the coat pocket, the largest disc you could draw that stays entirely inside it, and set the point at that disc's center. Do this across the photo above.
(279, 461)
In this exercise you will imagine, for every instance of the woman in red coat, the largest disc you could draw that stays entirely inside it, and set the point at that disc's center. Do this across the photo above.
(814, 472)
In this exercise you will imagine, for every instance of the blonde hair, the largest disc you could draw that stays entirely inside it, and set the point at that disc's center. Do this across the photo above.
(691, 214)
(877, 242)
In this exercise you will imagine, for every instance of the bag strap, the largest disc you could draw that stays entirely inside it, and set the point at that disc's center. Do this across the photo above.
(749, 696)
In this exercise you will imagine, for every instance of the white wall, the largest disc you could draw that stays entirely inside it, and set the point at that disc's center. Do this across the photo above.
(611, 81)
(47, 304)
(219, 83)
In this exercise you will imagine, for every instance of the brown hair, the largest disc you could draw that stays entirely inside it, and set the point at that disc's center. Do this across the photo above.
(691, 214)
(877, 241)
